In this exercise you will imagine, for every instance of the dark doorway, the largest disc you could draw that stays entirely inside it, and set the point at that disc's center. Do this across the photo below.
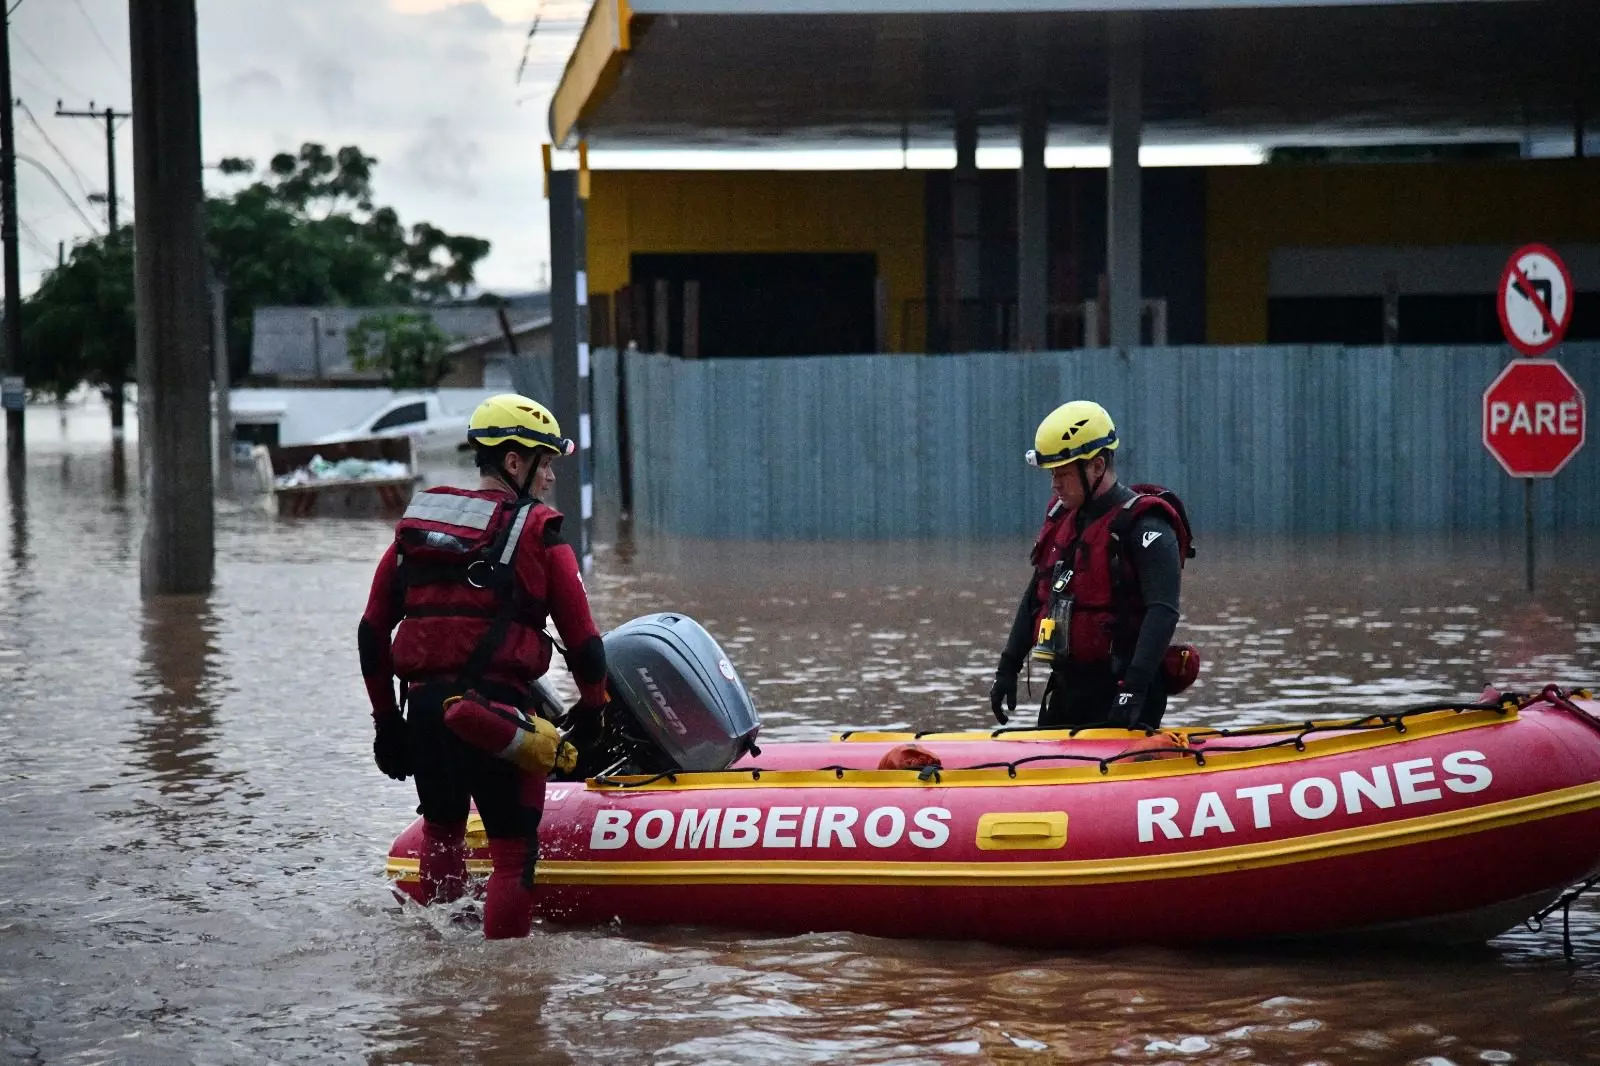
(1474, 319)
(1464, 318)
(1325, 320)
(789, 303)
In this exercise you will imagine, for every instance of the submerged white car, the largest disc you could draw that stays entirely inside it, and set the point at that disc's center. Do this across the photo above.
(433, 430)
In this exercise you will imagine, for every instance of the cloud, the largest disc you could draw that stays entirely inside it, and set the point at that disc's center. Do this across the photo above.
(506, 10)
(253, 81)
(330, 83)
(427, 86)
(444, 158)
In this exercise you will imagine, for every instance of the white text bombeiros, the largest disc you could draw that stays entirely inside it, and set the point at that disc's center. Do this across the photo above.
(771, 827)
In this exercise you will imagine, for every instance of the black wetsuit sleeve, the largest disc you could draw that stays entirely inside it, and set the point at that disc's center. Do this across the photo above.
(1154, 550)
(1020, 640)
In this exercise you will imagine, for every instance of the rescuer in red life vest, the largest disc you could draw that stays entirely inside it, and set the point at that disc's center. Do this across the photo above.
(470, 580)
(1101, 605)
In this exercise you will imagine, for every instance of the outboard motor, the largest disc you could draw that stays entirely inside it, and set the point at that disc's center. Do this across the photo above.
(677, 703)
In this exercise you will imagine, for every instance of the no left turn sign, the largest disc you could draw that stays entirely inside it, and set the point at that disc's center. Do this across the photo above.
(1534, 299)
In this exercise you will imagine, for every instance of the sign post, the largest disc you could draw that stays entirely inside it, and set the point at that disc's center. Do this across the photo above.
(1534, 419)
(1534, 422)
(1533, 413)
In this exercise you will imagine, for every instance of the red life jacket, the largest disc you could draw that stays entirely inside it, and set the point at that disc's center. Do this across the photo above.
(468, 608)
(1107, 610)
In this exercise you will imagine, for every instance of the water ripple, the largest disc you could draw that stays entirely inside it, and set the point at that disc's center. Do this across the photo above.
(192, 868)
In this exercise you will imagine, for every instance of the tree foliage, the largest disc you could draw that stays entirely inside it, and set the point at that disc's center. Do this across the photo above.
(303, 231)
(409, 348)
(79, 326)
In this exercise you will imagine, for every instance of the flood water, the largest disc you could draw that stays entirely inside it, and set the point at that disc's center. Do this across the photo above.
(194, 834)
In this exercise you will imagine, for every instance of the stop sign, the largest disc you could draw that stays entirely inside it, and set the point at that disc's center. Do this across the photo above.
(1533, 418)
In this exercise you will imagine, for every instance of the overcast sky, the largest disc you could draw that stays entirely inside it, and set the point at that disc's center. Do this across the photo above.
(429, 87)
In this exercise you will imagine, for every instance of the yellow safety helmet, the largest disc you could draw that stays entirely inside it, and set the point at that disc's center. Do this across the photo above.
(1078, 430)
(509, 417)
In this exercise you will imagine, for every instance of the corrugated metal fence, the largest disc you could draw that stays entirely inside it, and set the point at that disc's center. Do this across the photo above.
(1255, 439)
(606, 465)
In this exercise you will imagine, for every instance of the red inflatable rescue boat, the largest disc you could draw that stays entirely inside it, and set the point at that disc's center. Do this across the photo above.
(1440, 824)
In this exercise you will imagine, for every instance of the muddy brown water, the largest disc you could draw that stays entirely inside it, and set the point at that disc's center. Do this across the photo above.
(191, 864)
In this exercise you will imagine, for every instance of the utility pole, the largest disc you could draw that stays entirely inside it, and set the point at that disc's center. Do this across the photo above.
(569, 347)
(109, 116)
(12, 395)
(179, 549)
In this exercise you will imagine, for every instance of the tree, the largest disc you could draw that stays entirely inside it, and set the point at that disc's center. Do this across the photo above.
(409, 348)
(306, 233)
(303, 231)
(79, 325)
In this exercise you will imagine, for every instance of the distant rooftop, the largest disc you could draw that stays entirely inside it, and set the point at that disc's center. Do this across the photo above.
(313, 342)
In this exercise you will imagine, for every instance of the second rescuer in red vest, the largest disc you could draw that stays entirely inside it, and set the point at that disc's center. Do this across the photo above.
(1101, 605)
(470, 580)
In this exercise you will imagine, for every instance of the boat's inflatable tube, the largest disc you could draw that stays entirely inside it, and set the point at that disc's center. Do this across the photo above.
(1446, 824)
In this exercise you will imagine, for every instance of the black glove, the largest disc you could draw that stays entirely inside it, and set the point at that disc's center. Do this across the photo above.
(585, 721)
(1003, 689)
(1128, 709)
(586, 730)
(391, 748)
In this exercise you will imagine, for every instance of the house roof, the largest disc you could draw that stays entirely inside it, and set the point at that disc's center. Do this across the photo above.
(518, 329)
(312, 342)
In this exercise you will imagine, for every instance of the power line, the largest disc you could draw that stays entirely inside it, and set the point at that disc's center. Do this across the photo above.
(39, 88)
(76, 176)
(36, 86)
(538, 20)
(45, 66)
(87, 221)
(34, 240)
(527, 45)
(49, 72)
(95, 30)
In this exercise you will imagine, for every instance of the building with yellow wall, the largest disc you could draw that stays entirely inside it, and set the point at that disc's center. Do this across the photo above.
(1278, 253)
(1425, 220)
(700, 214)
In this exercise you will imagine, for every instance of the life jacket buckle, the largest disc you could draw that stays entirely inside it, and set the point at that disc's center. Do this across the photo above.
(480, 579)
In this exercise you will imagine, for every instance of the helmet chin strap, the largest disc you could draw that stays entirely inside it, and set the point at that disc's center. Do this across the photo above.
(1083, 479)
(523, 490)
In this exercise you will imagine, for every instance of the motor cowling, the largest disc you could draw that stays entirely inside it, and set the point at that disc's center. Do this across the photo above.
(677, 702)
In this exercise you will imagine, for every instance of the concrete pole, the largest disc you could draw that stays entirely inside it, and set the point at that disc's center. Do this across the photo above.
(119, 384)
(1033, 240)
(8, 238)
(965, 235)
(170, 298)
(221, 382)
(1122, 183)
(569, 357)
(17, 501)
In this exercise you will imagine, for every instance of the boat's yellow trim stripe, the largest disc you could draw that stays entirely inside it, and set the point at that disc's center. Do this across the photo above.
(409, 870)
(1339, 842)
(1069, 773)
